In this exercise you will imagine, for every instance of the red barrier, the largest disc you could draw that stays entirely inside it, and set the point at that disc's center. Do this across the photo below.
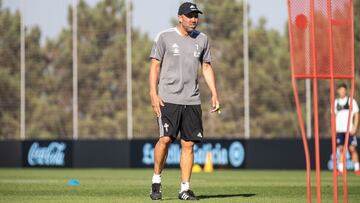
(322, 47)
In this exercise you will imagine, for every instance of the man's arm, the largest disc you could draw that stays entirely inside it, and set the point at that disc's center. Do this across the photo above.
(356, 123)
(209, 76)
(153, 79)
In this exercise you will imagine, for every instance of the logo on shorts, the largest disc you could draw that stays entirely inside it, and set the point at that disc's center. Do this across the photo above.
(166, 126)
(199, 135)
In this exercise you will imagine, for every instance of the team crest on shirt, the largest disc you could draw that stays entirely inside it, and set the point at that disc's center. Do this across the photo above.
(197, 52)
(175, 49)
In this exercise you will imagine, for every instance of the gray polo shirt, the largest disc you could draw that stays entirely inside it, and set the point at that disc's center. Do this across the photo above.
(180, 57)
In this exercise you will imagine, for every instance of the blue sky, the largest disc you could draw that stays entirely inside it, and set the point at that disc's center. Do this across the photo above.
(150, 16)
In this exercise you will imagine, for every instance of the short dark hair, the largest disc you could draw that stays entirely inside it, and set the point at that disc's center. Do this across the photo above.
(342, 85)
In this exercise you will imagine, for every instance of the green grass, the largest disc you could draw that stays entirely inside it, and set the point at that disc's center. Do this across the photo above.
(119, 185)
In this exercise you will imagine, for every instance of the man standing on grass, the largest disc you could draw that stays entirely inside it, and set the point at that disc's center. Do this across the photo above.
(176, 56)
(342, 106)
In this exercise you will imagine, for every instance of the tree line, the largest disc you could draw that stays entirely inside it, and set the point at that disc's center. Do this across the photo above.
(102, 76)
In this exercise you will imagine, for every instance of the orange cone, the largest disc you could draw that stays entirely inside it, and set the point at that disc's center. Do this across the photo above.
(208, 167)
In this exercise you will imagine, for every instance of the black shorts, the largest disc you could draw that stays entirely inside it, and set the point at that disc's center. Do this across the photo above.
(186, 119)
(340, 139)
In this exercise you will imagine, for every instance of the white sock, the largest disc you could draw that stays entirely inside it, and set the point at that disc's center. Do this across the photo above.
(341, 167)
(356, 166)
(185, 186)
(156, 178)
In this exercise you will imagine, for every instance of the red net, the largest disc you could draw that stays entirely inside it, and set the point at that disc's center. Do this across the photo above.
(321, 38)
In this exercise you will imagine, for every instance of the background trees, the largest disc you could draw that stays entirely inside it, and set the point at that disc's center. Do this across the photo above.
(102, 76)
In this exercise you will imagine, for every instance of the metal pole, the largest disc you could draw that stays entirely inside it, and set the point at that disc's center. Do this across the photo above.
(129, 71)
(22, 72)
(332, 100)
(333, 133)
(308, 108)
(246, 73)
(316, 103)
(75, 69)
(298, 108)
(352, 93)
(308, 90)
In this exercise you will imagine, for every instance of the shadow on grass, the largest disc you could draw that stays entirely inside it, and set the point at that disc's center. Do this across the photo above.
(224, 196)
(217, 196)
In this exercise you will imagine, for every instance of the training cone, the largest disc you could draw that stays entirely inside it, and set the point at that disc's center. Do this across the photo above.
(73, 182)
(208, 167)
(196, 168)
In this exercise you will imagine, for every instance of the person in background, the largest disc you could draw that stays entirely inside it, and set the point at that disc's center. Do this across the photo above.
(342, 106)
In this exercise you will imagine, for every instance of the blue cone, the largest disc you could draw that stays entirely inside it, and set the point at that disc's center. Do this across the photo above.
(73, 182)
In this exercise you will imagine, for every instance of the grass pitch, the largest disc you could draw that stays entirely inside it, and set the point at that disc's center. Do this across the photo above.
(133, 185)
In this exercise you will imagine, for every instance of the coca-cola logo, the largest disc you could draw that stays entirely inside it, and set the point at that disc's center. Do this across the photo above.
(52, 155)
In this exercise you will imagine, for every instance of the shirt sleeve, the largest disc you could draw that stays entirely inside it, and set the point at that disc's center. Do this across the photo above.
(206, 56)
(158, 49)
(355, 107)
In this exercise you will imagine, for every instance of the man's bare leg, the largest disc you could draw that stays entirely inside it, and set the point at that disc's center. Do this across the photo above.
(341, 161)
(186, 163)
(354, 157)
(160, 153)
